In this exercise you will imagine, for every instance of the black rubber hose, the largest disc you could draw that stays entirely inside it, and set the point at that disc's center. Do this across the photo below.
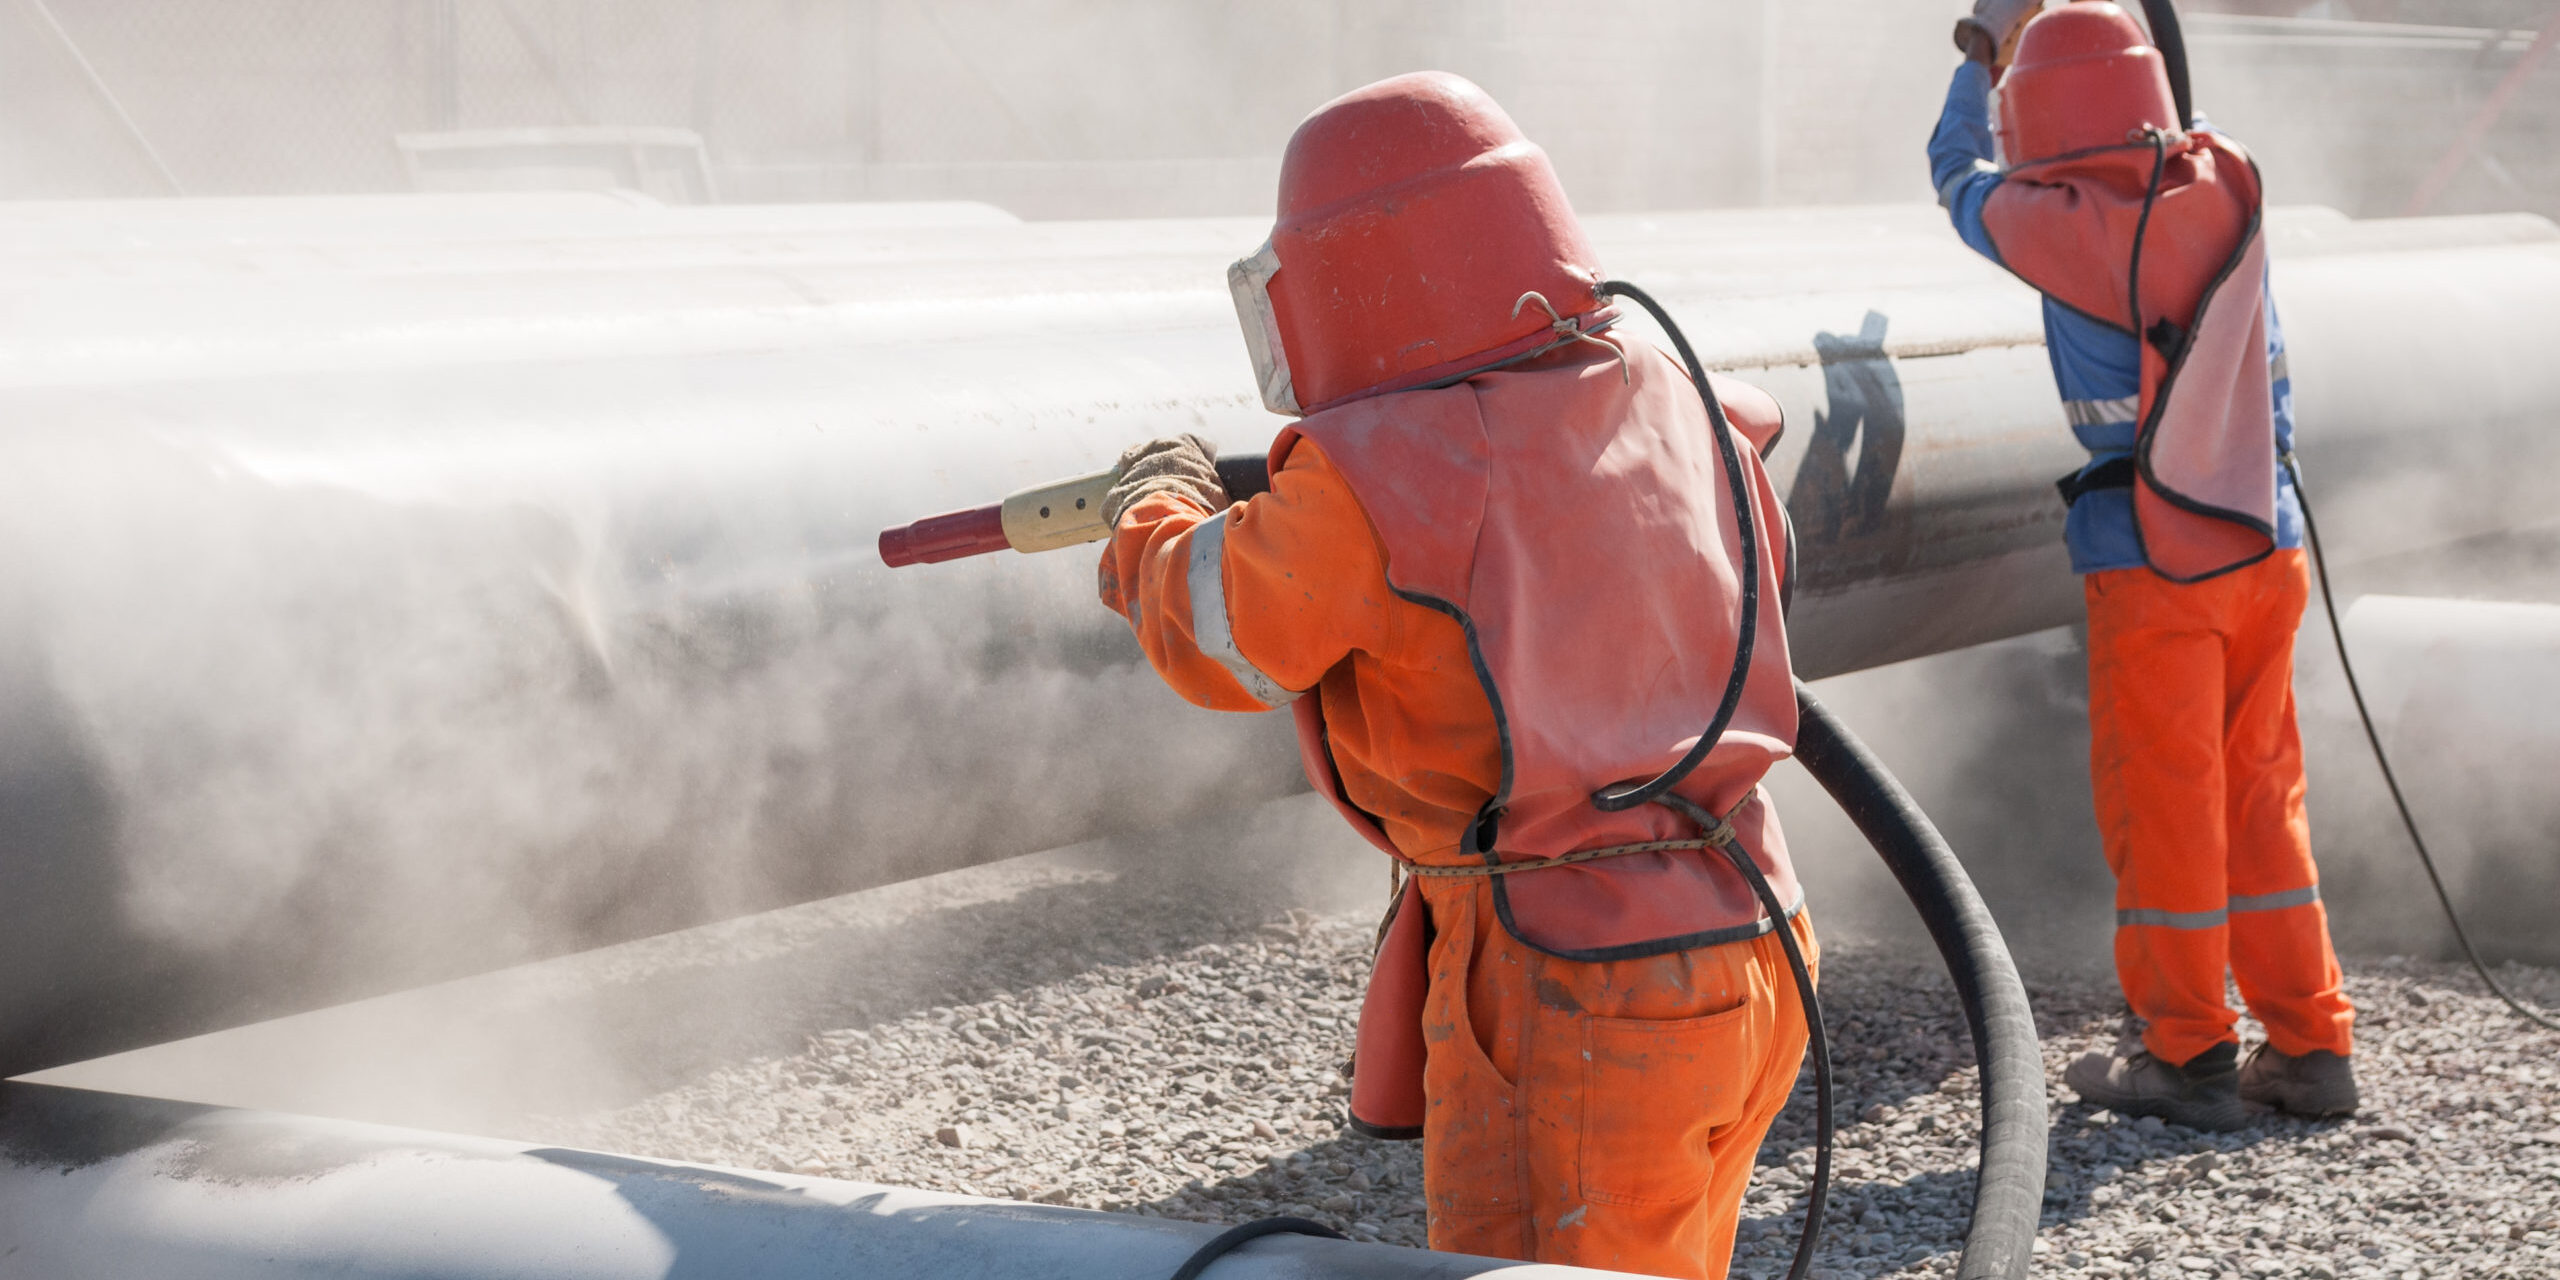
(1747, 521)
(2008, 1197)
(1244, 475)
(1817, 1037)
(1225, 1242)
(2171, 41)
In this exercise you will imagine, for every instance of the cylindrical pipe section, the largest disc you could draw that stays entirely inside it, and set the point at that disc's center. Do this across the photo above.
(2466, 697)
(380, 603)
(102, 1186)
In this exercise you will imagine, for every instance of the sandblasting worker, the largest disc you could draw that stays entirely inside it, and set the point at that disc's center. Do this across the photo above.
(1495, 572)
(2188, 539)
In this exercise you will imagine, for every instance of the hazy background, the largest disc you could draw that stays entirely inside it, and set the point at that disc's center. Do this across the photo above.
(1114, 109)
(1126, 108)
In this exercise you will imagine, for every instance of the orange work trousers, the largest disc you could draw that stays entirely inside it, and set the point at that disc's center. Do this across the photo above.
(1598, 1114)
(2197, 766)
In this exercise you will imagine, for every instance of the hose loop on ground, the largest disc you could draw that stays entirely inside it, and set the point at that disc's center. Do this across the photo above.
(2008, 1196)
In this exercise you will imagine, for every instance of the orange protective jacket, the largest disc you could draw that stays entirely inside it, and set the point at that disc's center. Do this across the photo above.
(1503, 595)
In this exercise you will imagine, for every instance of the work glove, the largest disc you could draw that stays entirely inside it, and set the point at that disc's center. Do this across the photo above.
(1985, 34)
(1184, 464)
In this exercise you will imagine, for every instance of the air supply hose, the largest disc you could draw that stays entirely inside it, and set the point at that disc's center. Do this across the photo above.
(1225, 1242)
(2171, 40)
(2390, 779)
(1747, 525)
(2008, 1195)
(1817, 1036)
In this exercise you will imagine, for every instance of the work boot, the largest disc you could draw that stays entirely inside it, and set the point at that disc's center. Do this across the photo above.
(2202, 1094)
(2316, 1085)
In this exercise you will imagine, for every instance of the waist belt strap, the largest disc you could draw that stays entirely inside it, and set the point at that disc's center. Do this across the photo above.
(2114, 473)
(1714, 837)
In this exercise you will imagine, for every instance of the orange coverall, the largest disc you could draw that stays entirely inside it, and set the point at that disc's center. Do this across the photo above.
(1597, 1114)
(2193, 749)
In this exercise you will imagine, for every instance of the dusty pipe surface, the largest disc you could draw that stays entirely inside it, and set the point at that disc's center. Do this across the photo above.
(2466, 695)
(388, 596)
(103, 1186)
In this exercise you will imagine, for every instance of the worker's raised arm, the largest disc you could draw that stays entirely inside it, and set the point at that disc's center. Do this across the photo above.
(1961, 163)
(1245, 607)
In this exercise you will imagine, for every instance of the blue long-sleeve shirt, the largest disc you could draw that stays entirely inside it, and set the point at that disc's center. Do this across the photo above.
(2098, 369)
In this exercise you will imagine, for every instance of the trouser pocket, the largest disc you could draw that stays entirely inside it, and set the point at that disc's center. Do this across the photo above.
(1470, 1128)
(1654, 1093)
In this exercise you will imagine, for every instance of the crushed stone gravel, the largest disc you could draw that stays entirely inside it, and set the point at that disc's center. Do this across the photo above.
(1204, 1083)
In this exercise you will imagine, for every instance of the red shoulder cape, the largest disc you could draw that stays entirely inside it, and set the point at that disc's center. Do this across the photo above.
(2167, 244)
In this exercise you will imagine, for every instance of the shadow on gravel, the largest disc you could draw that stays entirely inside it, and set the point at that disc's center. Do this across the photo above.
(2094, 1148)
(1317, 1181)
(1908, 1118)
(1877, 1225)
(1863, 1221)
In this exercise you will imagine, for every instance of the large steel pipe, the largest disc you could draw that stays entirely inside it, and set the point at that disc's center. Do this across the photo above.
(378, 605)
(2466, 696)
(102, 1186)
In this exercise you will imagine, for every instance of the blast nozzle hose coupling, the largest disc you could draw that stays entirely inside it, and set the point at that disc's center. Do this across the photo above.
(1062, 513)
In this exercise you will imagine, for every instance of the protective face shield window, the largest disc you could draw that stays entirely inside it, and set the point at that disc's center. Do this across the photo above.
(1250, 281)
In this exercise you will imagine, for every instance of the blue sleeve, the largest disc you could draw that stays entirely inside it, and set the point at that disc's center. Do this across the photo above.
(2290, 525)
(2281, 379)
(1960, 156)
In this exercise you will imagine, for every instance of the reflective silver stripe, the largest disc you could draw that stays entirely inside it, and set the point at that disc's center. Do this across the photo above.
(1947, 193)
(2214, 919)
(2276, 901)
(2099, 413)
(2279, 368)
(2170, 919)
(1209, 626)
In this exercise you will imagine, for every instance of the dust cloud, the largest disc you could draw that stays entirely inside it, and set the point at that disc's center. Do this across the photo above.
(2464, 685)
(254, 719)
(283, 737)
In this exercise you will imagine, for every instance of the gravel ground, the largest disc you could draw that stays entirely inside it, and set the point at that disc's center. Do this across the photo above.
(1202, 1082)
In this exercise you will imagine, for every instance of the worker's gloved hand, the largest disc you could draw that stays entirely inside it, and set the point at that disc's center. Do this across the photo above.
(1983, 34)
(1184, 464)
(1976, 43)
